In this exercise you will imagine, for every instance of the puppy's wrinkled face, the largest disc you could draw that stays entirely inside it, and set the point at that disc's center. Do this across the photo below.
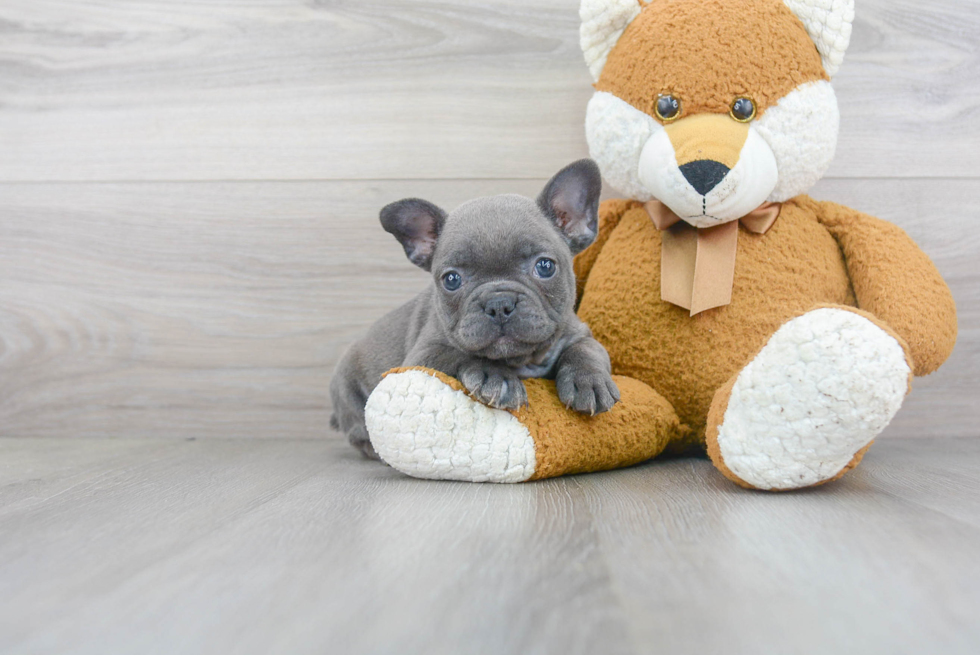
(502, 266)
(504, 278)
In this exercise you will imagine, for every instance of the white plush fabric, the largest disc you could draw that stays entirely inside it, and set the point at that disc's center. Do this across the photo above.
(824, 386)
(744, 188)
(829, 24)
(617, 132)
(603, 22)
(801, 129)
(424, 428)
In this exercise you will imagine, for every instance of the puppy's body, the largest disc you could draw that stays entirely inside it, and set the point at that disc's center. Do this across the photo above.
(500, 308)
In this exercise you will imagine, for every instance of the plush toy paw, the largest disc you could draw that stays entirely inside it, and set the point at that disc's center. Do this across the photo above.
(493, 385)
(586, 391)
(804, 410)
(425, 426)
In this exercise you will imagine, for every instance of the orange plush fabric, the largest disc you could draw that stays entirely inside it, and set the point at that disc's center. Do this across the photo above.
(709, 53)
(638, 428)
(897, 282)
(793, 268)
(609, 215)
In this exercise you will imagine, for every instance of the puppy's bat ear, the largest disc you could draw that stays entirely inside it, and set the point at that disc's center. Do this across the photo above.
(417, 225)
(571, 201)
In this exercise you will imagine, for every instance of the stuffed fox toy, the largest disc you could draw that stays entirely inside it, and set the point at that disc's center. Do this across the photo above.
(778, 333)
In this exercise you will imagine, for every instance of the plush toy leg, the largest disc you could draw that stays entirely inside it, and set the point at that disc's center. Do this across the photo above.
(424, 424)
(807, 407)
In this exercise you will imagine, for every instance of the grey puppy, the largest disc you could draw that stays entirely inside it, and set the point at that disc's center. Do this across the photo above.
(501, 306)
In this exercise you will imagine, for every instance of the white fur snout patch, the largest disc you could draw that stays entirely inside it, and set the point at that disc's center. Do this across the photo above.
(426, 429)
(744, 188)
(824, 386)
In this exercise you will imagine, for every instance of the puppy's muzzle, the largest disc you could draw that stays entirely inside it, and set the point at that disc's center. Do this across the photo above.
(500, 306)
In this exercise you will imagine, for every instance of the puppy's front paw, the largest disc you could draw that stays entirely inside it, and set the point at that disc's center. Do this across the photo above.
(586, 391)
(493, 385)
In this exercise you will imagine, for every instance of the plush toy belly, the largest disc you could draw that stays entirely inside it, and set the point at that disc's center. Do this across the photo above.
(795, 267)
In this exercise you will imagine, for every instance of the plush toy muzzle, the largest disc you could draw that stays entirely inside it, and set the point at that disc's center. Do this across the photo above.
(709, 169)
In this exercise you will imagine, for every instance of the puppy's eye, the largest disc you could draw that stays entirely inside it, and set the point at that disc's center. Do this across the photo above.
(742, 110)
(667, 108)
(545, 268)
(452, 281)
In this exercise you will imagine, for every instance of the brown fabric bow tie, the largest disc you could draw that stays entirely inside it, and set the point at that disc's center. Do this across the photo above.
(697, 265)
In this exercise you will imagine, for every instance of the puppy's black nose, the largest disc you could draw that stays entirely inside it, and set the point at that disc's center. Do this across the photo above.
(704, 174)
(500, 306)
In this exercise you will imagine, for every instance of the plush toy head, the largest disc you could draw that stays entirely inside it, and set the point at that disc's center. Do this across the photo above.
(714, 107)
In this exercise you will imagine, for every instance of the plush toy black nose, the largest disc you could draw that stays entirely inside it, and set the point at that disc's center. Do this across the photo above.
(500, 306)
(704, 174)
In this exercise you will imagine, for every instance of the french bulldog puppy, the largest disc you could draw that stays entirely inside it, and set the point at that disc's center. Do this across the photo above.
(501, 306)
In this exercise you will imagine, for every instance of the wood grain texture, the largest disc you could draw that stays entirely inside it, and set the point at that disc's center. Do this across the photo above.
(220, 309)
(150, 546)
(289, 89)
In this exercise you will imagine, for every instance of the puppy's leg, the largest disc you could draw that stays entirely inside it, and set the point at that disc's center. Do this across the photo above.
(348, 397)
(584, 378)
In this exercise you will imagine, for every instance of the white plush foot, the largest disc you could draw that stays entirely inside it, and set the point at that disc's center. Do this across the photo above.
(823, 388)
(426, 429)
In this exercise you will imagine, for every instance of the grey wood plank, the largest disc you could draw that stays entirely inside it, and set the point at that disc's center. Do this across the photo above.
(298, 547)
(72, 537)
(30, 476)
(844, 568)
(943, 480)
(302, 546)
(219, 309)
(155, 90)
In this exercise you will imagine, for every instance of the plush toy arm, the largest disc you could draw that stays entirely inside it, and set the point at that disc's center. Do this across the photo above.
(897, 282)
(610, 212)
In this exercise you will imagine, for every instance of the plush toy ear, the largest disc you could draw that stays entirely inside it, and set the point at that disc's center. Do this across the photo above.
(828, 22)
(571, 201)
(603, 22)
(417, 225)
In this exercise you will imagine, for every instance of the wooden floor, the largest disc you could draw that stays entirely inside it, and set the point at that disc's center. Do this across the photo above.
(298, 546)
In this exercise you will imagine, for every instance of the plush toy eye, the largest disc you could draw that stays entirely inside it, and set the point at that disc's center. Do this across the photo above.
(668, 107)
(452, 281)
(545, 268)
(743, 110)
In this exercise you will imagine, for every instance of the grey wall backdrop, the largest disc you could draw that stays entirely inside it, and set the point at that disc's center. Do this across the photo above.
(189, 192)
